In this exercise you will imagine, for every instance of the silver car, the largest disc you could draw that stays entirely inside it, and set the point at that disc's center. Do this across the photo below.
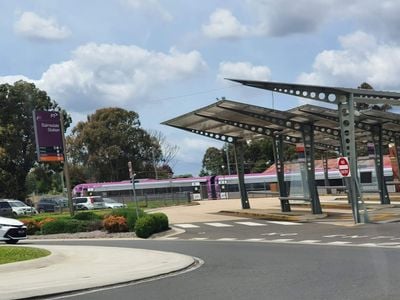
(11, 230)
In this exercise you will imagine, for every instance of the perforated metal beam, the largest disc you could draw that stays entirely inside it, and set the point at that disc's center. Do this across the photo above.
(280, 171)
(238, 151)
(213, 135)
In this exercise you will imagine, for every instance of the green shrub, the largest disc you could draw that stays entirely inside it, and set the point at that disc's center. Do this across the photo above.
(161, 221)
(64, 226)
(129, 214)
(145, 226)
(87, 216)
(115, 224)
(149, 224)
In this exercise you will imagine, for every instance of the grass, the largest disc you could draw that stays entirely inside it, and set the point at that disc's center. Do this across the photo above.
(9, 254)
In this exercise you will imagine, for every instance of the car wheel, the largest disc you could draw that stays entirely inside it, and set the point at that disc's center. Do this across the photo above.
(11, 241)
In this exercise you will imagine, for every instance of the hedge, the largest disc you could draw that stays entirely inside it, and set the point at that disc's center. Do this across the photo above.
(69, 226)
(129, 214)
(149, 224)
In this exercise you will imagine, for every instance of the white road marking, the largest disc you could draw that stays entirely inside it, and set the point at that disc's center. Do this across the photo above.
(251, 224)
(199, 239)
(388, 244)
(227, 239)
(368, 245)
(219, 224)
(282, 240)
(382, 237)
(310, 241)
(334, 235)
(283, 223)
(288, 234)
(338, 243)
(254, 240)
(186, 225)
(170, 238)
(270, 233)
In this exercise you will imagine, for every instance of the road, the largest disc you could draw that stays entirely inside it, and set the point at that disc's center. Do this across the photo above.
(273, 267)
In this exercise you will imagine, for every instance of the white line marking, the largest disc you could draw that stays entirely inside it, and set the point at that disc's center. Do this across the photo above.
(219, 224)
(254, 240)
(199, 239)
(186, 225)
(227, 239)
(338, 243)
(368, 245)
(382, 237)
(334, 235)
(282, 240)
(288, 234)
(310, 241)
(251, 224)
(171, 238)
(270, 233)
(283, 223)
(388, 244)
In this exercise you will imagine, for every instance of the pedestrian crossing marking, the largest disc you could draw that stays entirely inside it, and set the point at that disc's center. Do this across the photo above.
(388, 244)
(310, 241)
(251, 224)
(227, 239)
(186, 225)
(282, 240)
(283, 223)
(338, 243)
(219, 224)
(199, 239)
(254, 240)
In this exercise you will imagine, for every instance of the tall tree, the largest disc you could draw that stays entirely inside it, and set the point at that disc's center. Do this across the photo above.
(17, 141)
(213, 162)
(108, 140)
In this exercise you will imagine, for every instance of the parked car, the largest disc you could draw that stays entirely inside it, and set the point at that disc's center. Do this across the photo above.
(11, 230)
(19, 208)
(51, 204)
(111, 203)
(5, 209)
(90, 202)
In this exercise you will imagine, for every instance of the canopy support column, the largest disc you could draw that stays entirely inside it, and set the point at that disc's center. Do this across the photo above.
(379, 164)
(280, 171)
(308, 138)
(238, 150)
(346, 118)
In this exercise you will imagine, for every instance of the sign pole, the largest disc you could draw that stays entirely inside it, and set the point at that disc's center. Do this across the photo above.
(66, 168)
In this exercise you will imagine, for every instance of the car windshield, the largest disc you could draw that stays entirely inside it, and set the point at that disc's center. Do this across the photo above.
(17, 204)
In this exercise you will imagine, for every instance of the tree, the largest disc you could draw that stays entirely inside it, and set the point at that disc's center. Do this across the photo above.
(17, 141)
(108, 140)
(213, 161)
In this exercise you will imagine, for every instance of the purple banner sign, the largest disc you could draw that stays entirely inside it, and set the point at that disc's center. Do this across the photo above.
(49, 143)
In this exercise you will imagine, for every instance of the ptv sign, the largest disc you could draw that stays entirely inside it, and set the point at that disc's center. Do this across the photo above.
(343, 166)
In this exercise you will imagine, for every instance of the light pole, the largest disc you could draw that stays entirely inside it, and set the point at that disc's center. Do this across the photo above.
(132, 176)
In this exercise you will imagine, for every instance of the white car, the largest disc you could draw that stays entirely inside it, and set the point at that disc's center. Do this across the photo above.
(19, 208)
(11, 230)
(111, 203)
(89, 202)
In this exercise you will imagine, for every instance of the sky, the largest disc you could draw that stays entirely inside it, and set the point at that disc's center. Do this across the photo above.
(162, 59)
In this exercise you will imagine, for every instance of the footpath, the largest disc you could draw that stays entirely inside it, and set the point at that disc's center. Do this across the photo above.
(81, 268)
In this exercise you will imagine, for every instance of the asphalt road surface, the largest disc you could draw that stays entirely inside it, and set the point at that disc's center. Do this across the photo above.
(273, 268)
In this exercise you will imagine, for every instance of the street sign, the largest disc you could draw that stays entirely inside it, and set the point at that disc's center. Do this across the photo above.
(48, 135)
(344, 166)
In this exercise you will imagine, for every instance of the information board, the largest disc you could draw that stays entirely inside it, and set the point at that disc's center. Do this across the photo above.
(48, 135)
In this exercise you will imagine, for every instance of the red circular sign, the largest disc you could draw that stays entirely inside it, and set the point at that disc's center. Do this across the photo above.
(343, 166)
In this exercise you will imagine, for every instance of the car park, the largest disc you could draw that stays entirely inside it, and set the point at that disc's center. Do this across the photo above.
(11, 230)
(19, 208)
(51, 204)
(111, 203)
(89, 202)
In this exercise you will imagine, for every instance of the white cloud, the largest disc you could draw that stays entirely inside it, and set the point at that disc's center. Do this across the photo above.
(115, 75)
(361, 59)
(34, 27)
(242, 70)
(222, 24)
(286, 17)
(191, 150)
(152, 7)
